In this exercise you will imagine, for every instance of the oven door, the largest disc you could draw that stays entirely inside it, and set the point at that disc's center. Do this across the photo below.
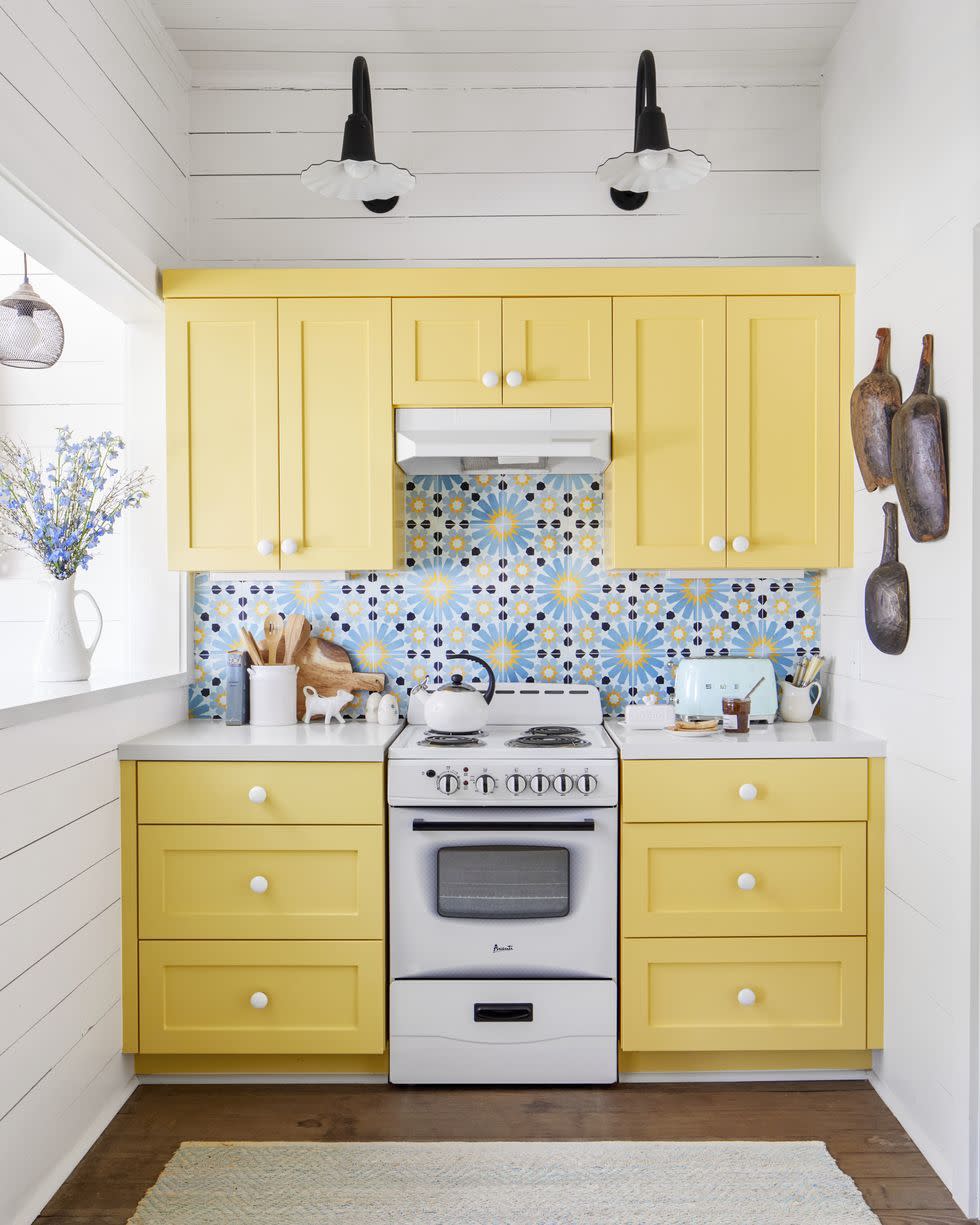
(503, 893)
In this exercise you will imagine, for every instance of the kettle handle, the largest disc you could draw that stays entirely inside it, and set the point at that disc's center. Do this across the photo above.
(475, 659)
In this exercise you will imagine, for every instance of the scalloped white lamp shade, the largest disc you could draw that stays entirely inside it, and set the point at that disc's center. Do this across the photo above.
(351, 179)
(653, 170)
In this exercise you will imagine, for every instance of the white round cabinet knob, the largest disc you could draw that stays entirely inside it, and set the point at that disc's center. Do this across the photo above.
(259, 999)
(748, 791)
(514, 378)
(259, 884)
(717, 544)
(265, 547)
(289, 546)
(491, 378)
(746, 997)
(258, 795)
(740, 544)
(746, 881)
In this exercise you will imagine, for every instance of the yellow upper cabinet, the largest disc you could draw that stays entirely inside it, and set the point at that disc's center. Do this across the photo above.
(667, 480)
(557, 351)
(222, 433)
(783, 431)
(280, 436)
(336, 449)
(488, 352)
(446, 352)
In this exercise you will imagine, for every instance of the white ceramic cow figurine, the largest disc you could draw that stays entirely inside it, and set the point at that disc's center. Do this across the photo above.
(330, 708)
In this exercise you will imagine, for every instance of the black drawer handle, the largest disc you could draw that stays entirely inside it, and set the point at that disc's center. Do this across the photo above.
(479, 827)
(503, 1012)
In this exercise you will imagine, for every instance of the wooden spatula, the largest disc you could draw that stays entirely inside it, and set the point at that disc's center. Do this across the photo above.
(297, 633)
(254, 654)
(273, 635)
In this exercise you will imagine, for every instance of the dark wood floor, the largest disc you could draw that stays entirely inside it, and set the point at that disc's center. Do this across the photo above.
(859, 1130)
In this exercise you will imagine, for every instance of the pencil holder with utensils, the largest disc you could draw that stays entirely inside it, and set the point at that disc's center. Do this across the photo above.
(801, 693)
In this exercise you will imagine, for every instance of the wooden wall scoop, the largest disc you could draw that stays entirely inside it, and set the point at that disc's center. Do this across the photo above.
(919, 457)
(874, 402)
(886, 593)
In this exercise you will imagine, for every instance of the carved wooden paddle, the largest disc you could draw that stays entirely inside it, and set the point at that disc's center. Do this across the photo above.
(919, 457)
(874, 403)
(886, 594)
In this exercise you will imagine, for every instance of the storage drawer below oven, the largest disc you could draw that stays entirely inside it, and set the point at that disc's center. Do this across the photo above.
(502, 1031)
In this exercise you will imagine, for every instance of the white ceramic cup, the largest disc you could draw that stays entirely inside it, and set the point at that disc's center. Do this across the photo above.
(272, 695)
(797, 703)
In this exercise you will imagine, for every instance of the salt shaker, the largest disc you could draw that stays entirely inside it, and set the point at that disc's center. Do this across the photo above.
(371, 707)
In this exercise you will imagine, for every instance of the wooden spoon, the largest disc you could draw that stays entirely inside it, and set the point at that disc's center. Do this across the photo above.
(273, 635)
(254, 654)
(297, 634)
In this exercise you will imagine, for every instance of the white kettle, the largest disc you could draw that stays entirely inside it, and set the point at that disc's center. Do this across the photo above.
(457, 707)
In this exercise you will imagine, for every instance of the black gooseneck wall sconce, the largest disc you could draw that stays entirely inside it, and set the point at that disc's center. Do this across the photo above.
(653, 165)
(358, 175)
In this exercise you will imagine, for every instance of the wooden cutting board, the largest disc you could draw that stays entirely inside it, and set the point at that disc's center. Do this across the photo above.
(327, 667)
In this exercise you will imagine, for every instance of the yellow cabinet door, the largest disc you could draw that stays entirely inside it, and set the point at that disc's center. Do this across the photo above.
(783, 431)
(758, 789)
(783, 994)
(560, 348)
(260, 793)
(441, 349)
(771, 878)
(251, 882)
(665, 487)
(222, 434)
(336, 457)
(262, 997)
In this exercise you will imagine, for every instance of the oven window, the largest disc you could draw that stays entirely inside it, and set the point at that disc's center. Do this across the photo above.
(503, 882)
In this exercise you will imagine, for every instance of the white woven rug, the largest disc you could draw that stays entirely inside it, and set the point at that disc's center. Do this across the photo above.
(615, 1183)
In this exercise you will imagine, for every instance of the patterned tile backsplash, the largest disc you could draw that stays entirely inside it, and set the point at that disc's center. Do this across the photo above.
(510, 568)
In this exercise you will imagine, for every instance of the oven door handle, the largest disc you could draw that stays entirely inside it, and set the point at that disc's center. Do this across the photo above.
(480, 827)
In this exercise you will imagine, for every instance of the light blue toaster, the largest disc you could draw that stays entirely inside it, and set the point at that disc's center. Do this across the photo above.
(701, 684)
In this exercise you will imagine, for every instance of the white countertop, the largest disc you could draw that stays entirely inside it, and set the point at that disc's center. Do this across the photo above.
(210, 740)
(24, 699)
(818, 738)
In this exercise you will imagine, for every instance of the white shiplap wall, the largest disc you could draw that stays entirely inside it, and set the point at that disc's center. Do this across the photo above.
(93, 99)
(84, 390)
(62, 1074)
(908, 223)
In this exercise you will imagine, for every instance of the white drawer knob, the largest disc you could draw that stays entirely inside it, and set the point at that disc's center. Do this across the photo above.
(740, 544)
(491, 378)
(257, 795)
(717, 544)
(746, 881)
(289, 546)
(748, 791)
(265, 547)
(746, 997)
(259, 999)
(259, 884)
(514, 378)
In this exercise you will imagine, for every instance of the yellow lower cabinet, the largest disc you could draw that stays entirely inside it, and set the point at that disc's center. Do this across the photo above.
(767, 994)
(260, 883)
(263, 997)
(260, 792)
(737, 879)
(773, 789)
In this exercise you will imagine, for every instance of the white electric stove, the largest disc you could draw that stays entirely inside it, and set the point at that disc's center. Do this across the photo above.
(503, 882)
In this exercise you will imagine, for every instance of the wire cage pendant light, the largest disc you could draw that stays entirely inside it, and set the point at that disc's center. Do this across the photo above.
(653, 165)
(358, 175)
(32, 336)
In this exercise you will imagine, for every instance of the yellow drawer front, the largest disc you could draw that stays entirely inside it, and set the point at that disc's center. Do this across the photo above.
(253, 882)
(755, 790)
(260, 793)
(203, 997)
(684, 995)
(735, 879)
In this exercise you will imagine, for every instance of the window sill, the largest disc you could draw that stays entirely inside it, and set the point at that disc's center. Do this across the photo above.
(25, 700)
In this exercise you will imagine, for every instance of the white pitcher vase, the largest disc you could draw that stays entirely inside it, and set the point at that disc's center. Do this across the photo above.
(64, 655)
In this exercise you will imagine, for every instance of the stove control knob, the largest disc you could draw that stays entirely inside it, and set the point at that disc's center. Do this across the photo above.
(540, 783)
(484, 784)
(587, 783)
(516, 783)
(448, 783)
(564, 783)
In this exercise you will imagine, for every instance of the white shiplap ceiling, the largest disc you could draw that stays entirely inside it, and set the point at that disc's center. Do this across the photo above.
(409, 41)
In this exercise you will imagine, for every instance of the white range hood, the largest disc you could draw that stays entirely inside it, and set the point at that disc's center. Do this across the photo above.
(445, 441)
